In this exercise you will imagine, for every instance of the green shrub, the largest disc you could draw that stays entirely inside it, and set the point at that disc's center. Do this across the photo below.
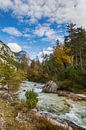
(31, 99)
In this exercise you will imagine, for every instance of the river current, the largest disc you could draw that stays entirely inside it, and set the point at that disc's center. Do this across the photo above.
(56, 107)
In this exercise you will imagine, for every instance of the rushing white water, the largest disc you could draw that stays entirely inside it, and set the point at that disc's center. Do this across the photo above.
(77, 114)
(55, 106)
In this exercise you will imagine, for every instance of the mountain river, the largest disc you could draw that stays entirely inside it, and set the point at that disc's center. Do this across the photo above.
(56, 107)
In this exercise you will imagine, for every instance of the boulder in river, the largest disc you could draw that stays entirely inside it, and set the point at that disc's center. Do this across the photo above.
(50, 87)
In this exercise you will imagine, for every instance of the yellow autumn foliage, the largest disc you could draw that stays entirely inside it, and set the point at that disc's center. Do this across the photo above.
(62, 54)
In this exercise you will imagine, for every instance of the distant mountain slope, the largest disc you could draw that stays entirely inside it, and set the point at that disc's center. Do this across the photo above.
(6, 54)
(22, 56)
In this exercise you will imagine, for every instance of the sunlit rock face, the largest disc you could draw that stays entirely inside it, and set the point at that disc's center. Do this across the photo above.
(23, 56)
(6, 53)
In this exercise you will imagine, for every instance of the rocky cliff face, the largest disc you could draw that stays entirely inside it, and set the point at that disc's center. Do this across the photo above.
(6, 53)
(22, 56)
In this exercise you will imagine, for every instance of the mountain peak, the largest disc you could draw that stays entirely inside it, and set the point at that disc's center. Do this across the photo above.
(5, 51)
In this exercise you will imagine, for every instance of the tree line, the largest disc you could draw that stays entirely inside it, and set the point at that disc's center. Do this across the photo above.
(66, 65)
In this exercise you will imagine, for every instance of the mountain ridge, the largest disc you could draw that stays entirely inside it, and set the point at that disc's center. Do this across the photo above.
(6, 52)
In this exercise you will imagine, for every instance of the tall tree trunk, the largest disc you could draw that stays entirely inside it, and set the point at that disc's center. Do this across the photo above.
(81, 65)
(72, 60)
(76, 59)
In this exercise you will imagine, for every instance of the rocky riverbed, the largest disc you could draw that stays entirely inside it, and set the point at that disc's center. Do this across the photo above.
(66, 111)
(57, 107)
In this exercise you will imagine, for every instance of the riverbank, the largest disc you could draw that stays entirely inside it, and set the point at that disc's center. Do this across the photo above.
(15, 114)
(12, 117)
(52, 87)
(70, 95)
(66, 124)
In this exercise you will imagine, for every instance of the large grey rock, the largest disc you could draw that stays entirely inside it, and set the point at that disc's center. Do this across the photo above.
(50, 87)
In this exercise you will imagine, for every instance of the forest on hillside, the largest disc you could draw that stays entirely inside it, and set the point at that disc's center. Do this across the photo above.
(66, 65)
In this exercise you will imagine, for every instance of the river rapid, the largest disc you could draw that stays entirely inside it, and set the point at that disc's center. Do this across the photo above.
(56, 107)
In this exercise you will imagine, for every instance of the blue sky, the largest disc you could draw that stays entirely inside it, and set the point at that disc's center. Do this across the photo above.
(35, 25)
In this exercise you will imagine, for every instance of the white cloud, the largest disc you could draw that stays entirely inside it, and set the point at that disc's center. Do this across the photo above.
(56, 10)
(5, 5)
(49, 33)
(14, 47)
(12, 31)
(46, 51)
(26, 35)
(26, 47)
(50, 49)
